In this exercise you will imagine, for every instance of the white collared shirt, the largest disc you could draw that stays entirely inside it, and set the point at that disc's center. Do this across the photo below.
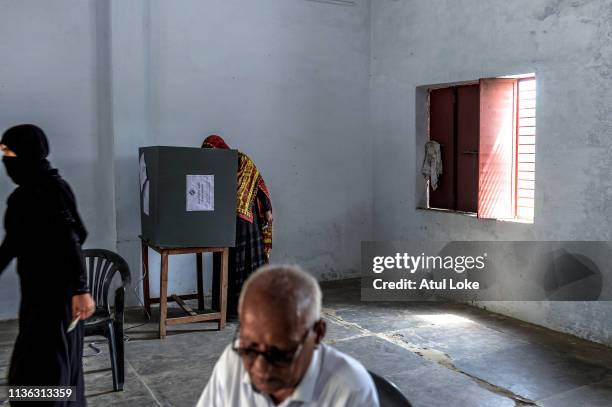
(333, 379)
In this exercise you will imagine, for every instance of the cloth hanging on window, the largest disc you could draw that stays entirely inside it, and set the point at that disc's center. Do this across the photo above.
(432, 163)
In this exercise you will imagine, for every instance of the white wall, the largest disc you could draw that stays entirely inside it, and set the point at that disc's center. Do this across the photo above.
(51, 74)
(567, 44)
(285, 81)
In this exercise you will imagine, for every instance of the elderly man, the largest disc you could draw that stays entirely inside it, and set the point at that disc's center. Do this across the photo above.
(277, 357)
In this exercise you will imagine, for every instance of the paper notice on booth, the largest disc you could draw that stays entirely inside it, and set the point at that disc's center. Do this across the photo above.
(200, 193)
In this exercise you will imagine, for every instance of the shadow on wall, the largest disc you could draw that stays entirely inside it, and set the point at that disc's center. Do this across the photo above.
(572, 277)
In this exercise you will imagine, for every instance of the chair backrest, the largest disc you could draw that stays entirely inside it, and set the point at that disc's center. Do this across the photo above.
(101, 268)
(388, 393)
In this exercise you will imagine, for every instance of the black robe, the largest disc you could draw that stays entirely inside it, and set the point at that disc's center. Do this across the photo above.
(44, 232)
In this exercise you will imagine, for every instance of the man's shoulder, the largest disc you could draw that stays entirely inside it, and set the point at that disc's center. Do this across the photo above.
(345, 380)
(225, 377)
(229, 362)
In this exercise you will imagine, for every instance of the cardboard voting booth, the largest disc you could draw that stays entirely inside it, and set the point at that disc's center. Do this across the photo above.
(188, 196)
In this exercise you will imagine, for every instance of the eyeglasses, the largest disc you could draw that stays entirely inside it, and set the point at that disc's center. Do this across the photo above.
(273, 356)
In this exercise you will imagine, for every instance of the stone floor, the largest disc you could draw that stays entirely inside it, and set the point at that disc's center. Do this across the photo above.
(437, 354)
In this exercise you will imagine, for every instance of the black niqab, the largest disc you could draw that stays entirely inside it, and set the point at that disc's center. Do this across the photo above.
(30, 145)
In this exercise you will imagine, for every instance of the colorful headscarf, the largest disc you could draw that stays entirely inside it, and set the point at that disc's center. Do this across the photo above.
(214, 141)
(249, 180)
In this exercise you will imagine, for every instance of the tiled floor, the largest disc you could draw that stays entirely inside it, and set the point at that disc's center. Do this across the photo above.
(437, 354)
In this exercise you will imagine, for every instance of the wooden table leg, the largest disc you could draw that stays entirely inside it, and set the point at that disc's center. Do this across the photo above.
(163, 295)
(223, 286)
(216, 278)
(145, 279)
(200, 282)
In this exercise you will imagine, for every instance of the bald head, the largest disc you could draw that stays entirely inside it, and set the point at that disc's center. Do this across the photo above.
(286, 293)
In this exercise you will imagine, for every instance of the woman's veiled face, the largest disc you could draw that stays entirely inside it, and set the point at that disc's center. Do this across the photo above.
(7, 152)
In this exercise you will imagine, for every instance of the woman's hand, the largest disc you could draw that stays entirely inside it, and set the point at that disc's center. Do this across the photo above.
(83, 305)
(269, 218)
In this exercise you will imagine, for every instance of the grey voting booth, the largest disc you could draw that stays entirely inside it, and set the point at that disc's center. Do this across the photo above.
(187, 206)
(188, 196)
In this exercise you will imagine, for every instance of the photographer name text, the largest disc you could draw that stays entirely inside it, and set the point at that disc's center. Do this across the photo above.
(425, 284)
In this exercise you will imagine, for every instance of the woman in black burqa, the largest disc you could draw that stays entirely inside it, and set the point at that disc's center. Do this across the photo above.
(44, 233)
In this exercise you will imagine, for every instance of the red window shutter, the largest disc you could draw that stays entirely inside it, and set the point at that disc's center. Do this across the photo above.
(525, 184)
(468, 126)
(441, 129)
(496, 197)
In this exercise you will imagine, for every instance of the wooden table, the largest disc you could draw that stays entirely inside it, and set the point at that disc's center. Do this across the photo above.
(217, 315)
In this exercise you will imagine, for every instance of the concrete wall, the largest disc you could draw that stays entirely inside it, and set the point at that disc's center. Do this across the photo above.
(53, 72)
(285, 81)
(567, 44)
